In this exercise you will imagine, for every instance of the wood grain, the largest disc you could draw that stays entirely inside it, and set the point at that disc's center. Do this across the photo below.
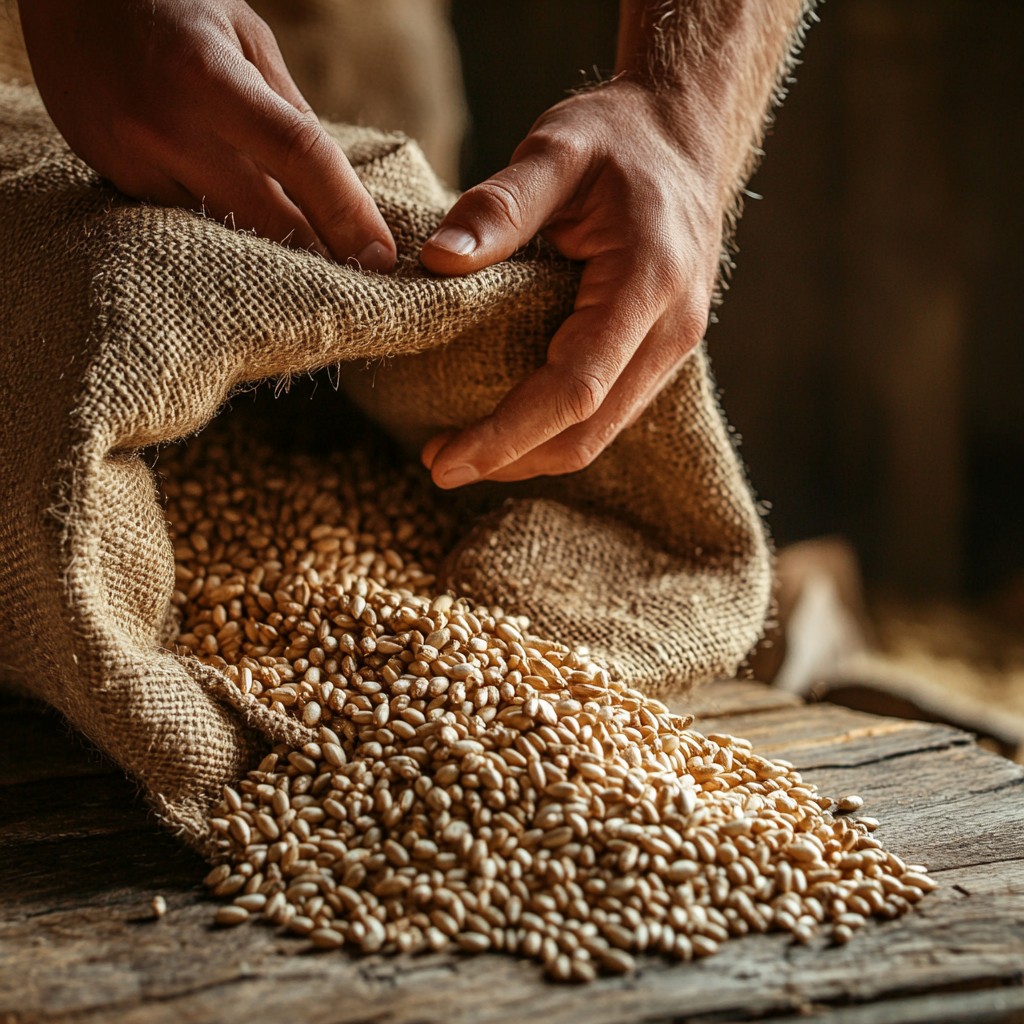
(82, 861)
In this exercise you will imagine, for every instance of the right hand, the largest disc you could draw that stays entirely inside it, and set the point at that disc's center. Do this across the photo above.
(189, 103)
(612, 182)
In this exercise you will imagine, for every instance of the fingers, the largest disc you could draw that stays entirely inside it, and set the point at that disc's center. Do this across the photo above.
(162, 190)
(294, 149)
(434, 445)
(585, 358)
(260, 47)
(605, 365)
(226, 186)
(654, 364)
(140, 90)
(243, 197)
(499, 216)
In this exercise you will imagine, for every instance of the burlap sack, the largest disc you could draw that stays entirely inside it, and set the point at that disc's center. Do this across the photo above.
(125, 325)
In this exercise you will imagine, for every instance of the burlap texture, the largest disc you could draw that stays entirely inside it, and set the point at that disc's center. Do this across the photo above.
(125, 325)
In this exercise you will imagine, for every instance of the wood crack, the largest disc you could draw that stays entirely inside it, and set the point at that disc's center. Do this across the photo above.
(895, 755)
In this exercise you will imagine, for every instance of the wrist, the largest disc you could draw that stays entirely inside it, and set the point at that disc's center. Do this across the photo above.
(714, 68)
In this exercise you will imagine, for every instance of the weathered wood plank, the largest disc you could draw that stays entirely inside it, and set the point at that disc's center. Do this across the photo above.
(114, 872)
(108, 964)
(66, 805)
(201, 975)
(991, 1006)
(77, 942)
(61, 808)
(945, 808)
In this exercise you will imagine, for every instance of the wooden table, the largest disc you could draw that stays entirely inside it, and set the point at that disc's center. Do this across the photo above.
(81, 861)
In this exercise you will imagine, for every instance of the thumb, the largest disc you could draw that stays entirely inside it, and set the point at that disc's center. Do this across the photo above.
(497, 217)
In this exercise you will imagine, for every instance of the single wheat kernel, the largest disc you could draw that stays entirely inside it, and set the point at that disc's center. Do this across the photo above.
(231, 915)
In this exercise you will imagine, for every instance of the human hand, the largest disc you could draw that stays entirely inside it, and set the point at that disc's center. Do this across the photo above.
(189, 103)
(605, 178)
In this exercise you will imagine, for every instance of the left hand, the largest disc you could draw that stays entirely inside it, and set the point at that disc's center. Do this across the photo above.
(610, 180)
(189, 103)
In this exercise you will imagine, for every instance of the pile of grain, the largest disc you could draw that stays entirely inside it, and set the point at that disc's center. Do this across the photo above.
(473, 784)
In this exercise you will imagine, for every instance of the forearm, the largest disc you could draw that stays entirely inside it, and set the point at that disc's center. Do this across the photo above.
(638, 181)
(715, 67)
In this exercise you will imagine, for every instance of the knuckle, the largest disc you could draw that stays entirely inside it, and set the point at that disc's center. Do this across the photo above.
(579, 397)
(261, 38)
(506, 453)
(499, 456)
(693, 334)
(197, 57)
(501, 200)
(668, 284)
(580, 454)
(690, 332)
(499, 445)
(303, 139)
(260, 30)
(564, 148)
(670, 271)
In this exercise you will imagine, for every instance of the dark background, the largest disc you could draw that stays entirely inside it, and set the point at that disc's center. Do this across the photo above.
(870, 348)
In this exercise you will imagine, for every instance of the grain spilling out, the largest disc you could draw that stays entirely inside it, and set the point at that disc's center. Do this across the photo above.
(466, 783)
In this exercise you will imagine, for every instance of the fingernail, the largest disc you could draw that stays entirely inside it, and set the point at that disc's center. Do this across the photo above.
(458, 476)
(376, 256)
(453, 239)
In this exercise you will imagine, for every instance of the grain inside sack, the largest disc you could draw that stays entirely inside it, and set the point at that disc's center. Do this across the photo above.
(469, 783)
